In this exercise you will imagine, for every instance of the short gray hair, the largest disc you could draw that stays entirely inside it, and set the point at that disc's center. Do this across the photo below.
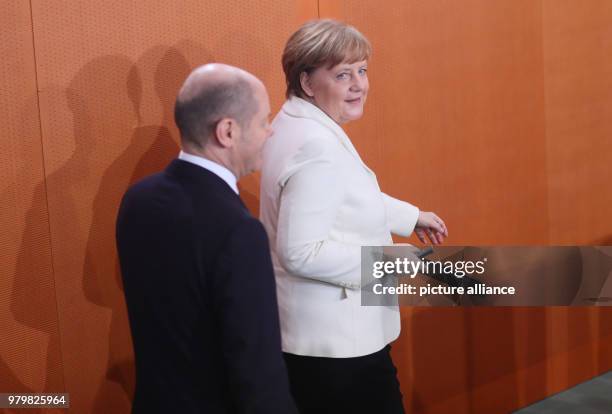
(198, 115)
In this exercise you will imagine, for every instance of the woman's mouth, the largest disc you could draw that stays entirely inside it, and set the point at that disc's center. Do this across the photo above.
(353, 101)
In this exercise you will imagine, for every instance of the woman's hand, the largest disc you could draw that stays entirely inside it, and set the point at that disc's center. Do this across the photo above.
(431, 226)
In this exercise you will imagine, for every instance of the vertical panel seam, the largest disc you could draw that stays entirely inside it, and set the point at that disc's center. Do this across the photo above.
(46, 191)
(545, 118)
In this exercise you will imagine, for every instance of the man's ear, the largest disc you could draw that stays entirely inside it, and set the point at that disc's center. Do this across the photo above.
(226, 132)
(305, 84)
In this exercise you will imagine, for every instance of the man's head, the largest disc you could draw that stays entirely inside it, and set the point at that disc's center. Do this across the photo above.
(223, 114)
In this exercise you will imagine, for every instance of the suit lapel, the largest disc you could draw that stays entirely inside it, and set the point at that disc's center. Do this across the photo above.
(298, 107)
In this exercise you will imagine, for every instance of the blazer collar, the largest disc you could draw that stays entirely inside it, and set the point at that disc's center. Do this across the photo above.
(301, 108)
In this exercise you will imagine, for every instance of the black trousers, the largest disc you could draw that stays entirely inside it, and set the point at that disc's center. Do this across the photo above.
(366, 384)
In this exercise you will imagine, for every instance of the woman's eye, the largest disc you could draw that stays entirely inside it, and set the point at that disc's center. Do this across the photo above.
(342, 76)
(363, 71)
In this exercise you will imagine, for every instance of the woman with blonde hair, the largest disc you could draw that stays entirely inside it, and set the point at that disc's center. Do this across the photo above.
(319, 204)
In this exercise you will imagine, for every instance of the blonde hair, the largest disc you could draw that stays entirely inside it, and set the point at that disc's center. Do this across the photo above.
(320, 43)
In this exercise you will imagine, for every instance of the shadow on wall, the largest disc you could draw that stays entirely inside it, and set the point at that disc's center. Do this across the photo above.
(97, 106)
(30, 358)
(476, 353)
(151, 147)
(499, 359)
(98, 114)
(98, 97)
(604, 241)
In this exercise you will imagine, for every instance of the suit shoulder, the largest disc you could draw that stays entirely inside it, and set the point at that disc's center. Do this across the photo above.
(246, 241)
(251, 228)
(142, 194)
(145, 184)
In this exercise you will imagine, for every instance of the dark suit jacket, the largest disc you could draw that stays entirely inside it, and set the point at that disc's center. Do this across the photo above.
(201, 298)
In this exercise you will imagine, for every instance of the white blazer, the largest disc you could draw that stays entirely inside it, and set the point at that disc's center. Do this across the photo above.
(319, 204)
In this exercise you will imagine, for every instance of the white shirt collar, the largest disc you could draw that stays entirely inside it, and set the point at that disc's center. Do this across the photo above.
(217, 169)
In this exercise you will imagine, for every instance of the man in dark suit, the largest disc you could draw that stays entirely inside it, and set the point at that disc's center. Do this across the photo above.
(196, 265)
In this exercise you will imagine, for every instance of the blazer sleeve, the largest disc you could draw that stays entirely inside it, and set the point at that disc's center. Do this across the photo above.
(247, 315)
(310, 200)
(401, 216)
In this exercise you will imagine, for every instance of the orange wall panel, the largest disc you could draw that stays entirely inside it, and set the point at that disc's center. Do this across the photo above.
(578, 75)
(455, 117)
(108, 76)
(496, 116)
(30, 347)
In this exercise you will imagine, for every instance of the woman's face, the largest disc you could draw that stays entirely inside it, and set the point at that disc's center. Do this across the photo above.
(340, 91)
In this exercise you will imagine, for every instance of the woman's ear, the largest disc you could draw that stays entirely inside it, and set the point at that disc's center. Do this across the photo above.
(305, 83)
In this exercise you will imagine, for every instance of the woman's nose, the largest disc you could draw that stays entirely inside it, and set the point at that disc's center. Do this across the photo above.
(358, 83)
